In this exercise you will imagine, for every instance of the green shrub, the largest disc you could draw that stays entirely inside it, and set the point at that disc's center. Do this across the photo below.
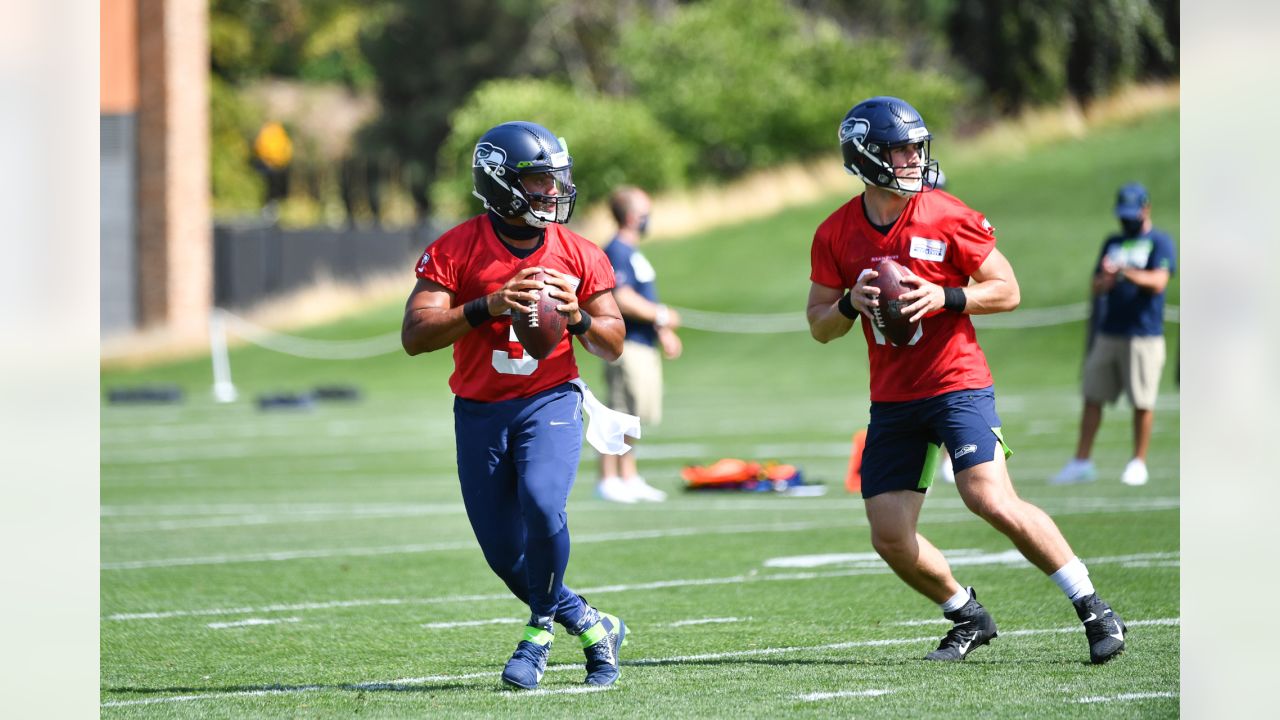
(236, 187)
(751, 83)
(613, 141)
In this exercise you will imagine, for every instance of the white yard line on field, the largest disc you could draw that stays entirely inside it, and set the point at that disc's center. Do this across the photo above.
(643, 662)
(599, 590)
(518, 694)
(1140, 505)
(817, 696)
(469, 623)
(705, 621)
(459, 545)
(187, 517)
(252, 621)
(1126, 696)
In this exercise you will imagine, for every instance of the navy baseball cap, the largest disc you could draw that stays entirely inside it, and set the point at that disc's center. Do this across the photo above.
(1130, 201)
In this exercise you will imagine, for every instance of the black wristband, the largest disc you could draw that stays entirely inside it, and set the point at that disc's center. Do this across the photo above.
(845, 306)
(477, 311)
(582, 325)
(953, 298)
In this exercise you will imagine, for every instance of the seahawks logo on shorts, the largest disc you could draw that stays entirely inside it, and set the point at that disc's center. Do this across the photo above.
(965, 450)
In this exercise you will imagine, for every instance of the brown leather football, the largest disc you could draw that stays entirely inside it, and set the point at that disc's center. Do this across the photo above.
(888, 317)
(541, 328)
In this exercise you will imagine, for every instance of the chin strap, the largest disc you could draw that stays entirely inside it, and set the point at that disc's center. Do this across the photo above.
(515, 232)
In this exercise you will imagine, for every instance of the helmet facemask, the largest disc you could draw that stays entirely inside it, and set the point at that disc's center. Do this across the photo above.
(548, 194)
(874, 167)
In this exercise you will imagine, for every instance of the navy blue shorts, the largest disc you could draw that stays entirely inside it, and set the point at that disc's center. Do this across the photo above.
(901, 451)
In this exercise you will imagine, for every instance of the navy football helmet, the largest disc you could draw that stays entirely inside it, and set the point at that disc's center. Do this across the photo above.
(871, 129)
(520, 169)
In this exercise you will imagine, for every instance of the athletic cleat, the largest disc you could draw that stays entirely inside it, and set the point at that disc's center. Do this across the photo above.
(1104, 628)
(600, 643)
(1135, 473)
(527, 665)
(973, 628)
(615, 489)
(643, 491)
(1075, 471)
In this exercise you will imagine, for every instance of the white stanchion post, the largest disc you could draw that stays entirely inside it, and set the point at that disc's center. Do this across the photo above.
(224, 391)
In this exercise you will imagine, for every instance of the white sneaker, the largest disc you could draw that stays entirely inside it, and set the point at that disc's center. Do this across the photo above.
(614, 489)
(1135, 473)
(642, 490)
(1075, 471)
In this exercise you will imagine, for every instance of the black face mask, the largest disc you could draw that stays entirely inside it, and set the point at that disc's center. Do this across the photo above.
(515, 232)
(643, 228)
(1132, 228)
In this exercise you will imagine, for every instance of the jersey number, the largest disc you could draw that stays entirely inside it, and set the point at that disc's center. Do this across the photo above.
(513, 360)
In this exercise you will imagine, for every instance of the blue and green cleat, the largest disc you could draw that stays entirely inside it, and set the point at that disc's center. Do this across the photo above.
(529, 662)
(601, 641)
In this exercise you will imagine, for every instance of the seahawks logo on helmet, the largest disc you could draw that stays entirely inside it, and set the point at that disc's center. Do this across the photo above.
(490, 156)
(855, 129)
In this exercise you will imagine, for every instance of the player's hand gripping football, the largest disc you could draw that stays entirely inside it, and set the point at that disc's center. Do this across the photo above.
(923, 298)
(864, 295)
(517, 294)
(558, 287)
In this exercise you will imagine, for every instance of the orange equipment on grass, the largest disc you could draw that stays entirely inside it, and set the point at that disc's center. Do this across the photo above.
(736, 473)
(853, 481)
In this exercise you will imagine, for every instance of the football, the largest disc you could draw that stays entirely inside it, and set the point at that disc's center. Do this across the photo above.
(540, 329)
(888, 316)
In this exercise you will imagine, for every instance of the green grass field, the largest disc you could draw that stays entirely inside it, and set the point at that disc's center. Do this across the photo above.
(319, 564)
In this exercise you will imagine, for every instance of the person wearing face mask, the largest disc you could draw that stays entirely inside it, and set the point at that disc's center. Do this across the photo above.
(1127, 352)
(635, 379)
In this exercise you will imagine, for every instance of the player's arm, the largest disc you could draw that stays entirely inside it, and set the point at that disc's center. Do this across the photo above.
(431, 322)
(605, 331)
(637, 307)
(1153, 281)
(994, 289)
(826, 320)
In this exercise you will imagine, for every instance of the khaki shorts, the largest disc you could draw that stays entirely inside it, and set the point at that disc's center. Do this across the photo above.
(635, 382)
(1129, 364)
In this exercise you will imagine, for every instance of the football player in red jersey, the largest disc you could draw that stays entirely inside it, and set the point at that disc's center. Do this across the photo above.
(936, 389)
(517, 419)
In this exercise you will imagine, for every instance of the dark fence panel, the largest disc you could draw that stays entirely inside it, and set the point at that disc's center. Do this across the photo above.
(252, 263)
(118, 202)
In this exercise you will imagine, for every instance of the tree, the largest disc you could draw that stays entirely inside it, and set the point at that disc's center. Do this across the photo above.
(428, 55)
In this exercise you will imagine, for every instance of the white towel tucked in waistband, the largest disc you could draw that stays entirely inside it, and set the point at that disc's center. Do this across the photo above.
(605, 426)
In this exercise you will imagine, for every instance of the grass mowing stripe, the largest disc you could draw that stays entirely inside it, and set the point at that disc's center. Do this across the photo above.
(1123, 560)
(642, 662)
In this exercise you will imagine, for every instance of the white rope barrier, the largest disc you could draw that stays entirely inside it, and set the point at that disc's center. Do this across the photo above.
(795, 322)
(311, 348)
(222, 322)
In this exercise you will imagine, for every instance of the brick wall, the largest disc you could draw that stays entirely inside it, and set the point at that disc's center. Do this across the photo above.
(175, 255)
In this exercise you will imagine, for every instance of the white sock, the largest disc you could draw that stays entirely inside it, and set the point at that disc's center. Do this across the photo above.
(1074, 580)
(956, 601)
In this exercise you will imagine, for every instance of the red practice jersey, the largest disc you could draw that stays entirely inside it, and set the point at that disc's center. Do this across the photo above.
(940, 239)
(489, 364)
